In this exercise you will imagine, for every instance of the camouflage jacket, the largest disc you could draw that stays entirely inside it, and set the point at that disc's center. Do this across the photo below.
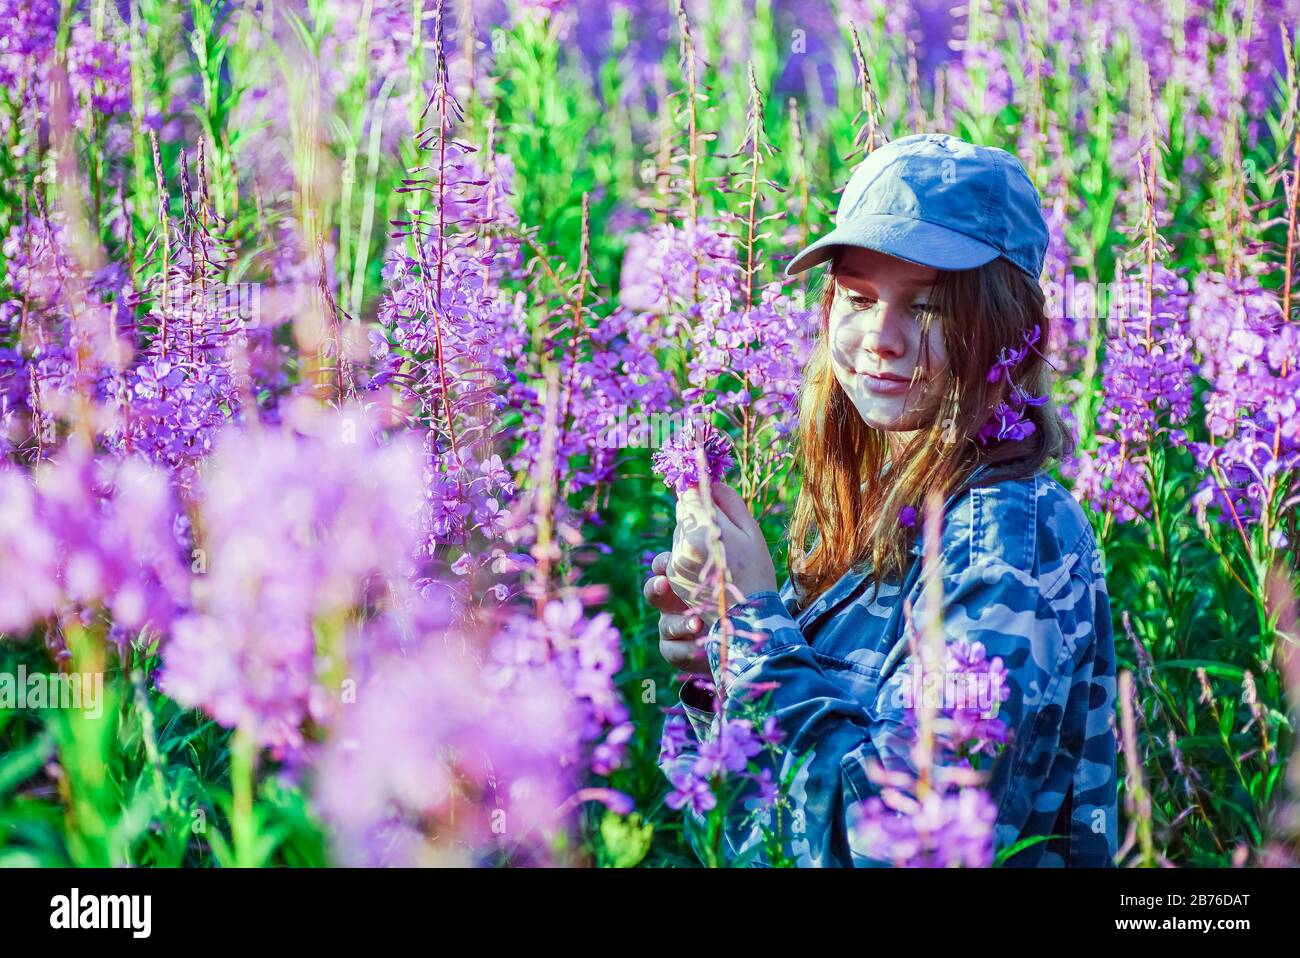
(1022, 575)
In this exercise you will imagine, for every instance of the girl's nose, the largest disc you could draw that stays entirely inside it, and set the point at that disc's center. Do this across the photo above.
(882, 331)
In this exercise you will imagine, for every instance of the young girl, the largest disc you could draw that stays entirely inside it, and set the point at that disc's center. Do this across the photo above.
(927, 376)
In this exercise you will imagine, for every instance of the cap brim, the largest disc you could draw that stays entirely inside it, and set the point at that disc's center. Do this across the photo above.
(926, 244)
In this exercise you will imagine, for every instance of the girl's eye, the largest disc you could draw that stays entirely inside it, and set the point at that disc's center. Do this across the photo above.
(860, 302)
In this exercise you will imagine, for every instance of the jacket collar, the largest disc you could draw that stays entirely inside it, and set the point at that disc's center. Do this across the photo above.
(918, 543)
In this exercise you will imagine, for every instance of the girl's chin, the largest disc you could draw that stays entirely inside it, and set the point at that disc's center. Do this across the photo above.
(885, 416)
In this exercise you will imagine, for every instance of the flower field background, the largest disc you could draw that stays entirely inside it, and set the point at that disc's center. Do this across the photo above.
(337, 338)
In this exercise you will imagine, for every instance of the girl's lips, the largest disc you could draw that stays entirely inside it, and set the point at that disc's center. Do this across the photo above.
(884, 386)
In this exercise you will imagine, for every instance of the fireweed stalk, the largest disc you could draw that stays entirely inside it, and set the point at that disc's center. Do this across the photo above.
(936, 813)
(1239, 343)
(1250, 346)
(306, 654)
(711, 786)
(503, 766)
(715, 566)
(740, 346)
(446, 342)
(1284, 846)
(1136, 797)
(1147, 378)
(695, 459)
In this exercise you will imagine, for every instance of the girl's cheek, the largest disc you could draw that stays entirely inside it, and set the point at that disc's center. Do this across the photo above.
(842, 344)
(937, 354)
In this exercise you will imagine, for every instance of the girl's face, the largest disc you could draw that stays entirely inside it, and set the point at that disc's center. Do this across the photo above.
(876, 337)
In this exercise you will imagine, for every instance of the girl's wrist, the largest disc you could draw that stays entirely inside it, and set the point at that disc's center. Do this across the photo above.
(752, 589)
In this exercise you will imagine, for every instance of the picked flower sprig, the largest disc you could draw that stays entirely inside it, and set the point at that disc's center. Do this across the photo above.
(676, 463)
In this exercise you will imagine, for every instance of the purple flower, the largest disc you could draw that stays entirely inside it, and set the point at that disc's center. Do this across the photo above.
(583, 652)
(677, 463)
(1252, 359)
(942, 830)
(301, 525)
(99, 73)
(771, 734)
(677, 272)
(1147, 381)
(728, 751)
(89, 532)
(690, 789)
(620, 803)
(442, 752)
(1008, 420)
(676, 733)
(608, 755)
(970, 724)
(767, 793)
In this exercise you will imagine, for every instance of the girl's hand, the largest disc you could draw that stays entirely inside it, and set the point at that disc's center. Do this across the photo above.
(748, 561)
(679, 629)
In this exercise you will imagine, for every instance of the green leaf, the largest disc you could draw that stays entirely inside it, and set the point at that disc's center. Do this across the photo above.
(1220, 670)
(1020, 846)
(16, 767)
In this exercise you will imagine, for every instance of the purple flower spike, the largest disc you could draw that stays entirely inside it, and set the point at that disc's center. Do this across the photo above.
(944, 830)
(690, 789)
(1008, 421)
(676, 462)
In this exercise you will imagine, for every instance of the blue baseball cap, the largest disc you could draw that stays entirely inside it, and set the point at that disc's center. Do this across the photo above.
(936, 200)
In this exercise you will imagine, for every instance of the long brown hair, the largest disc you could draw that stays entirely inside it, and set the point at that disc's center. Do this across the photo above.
(852, 494)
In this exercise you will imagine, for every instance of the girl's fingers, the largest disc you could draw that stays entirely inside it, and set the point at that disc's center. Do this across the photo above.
(685, 656)
(690, 505)
(691, 533)
(727, 512)
(689, 550)
(686, 565)
(659, 593)
(691, 515)
(659, 565)
(679, 626)
(688, 498)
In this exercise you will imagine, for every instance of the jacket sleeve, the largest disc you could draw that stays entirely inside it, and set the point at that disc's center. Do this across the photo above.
(832, 738)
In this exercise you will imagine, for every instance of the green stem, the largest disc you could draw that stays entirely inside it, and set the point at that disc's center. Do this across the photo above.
(243, 826)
